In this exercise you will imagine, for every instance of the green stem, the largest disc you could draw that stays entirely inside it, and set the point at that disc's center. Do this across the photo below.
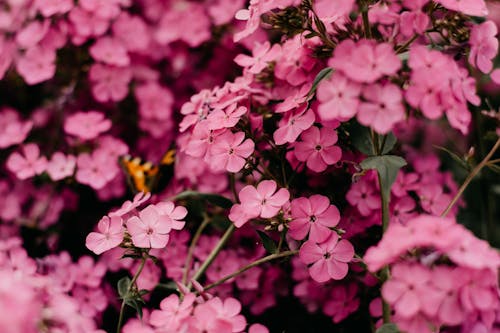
(132, 283)
(469, 178)
(194, 241)
(251, 265)
(215, 252)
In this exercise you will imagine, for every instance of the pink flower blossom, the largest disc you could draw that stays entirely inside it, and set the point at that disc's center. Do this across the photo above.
(129, 206)
(29, 164)
(313, 215)
(468, 7)
(216, 316)
(383, 107)
(342, 302)
(49, 8)
(365, 61)
(110, 235)
(96, 169)
(329, 259)
(338, 97)
(484, 46)
(293, 125)
(364, 196)
(87, 125)
(173, 312)
(174, 213)
(262, 54)
(263, 201)
(14, 131)
(317, 148)
(61, 166)
(110, 51)
(149, 229)
(109, 83)
(37, 65)
(230, 152)
(226, 118)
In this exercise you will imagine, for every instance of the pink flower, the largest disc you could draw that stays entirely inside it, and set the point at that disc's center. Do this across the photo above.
(110, 51)
(365, 61)
(469, 7)
(230, 152)
(49, 8)
(226, 118)
(175, 214)
(262, 54)
(263, 201)
(313, 215)
(14, 131)
(109, 83)
(149, 229)
(29, 164)
(132, 31)
(338, 97)
(364, 196)
(110, 235)
(294, 99)
(217, 316)
(96, 169)
(37, 65)
(483, 45)
(329, 259)
(61, 166)
(317, 148)
(342, 302)
(128, 206)
(173, 312)
(293, 125)
(383, 107)
(405, 287)
(86, 125)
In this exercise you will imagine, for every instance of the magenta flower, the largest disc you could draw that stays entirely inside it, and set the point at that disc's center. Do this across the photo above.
(87, 125)
(96, 169)
(261, 55)
(484, 45)
(110, 235)
(342, 302)
(29, 164)
(469, 7)
(149, 229)
(37, 65)
(329, 259)
(263, 201)
(217, 316)
(338, 97)
(61, 166)
(405, 288)
(364, 196)
(109, 83)
(383, 107)
(14, 131)
(173, 312)
(313, 215)
(293, 125)
(176, 214)
(365, 61)
(226, 118)
(230, 152)
(317, 148)
(110, 51)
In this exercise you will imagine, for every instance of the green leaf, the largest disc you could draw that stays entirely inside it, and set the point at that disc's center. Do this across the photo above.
(268, 243)
(388, 328)
(387, 167)
(136, 305)
(171, 285)
(361, 138)
(455, 157)
(214, 199)
(494, 167)
(123, 287)
(220, 222)
(389, 143)
(325, 73)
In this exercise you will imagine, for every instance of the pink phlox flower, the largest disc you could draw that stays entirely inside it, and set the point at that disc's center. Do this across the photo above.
(172, 312)
(87, 125)
(225, 264)
(365, 61)
(263, 201)
(155, 101)
(107, 9)
(217, 315)
(403, 209)
(364, 196)
(257, 328)
(403, 289)
(110, 235)
(479, 290)
(297, 61)
(383, 107)
(230, 152)
(32, 34)
(404, 183)
(201, 141)
(336, 12)
(468, 7)
(61, 166)
(317, 148)
(110, 51)
(262, 54)
(109, 83)
(314, 215)
(329, 259)
(132, 31)
(338, 98)
(149, 229)
(175, 213)
(223, 11)
(342, 302)
(50, 8)
(295, 99)
(293, 124)
(37, 64)
(473, 253)
(442, 295)
(484, 45)
(14, 131)
(226, 118)
(96, 169)
(85, 24)
(432, 198)
(91, 302)
(29, 164)
(88, 272)
(129, 206)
